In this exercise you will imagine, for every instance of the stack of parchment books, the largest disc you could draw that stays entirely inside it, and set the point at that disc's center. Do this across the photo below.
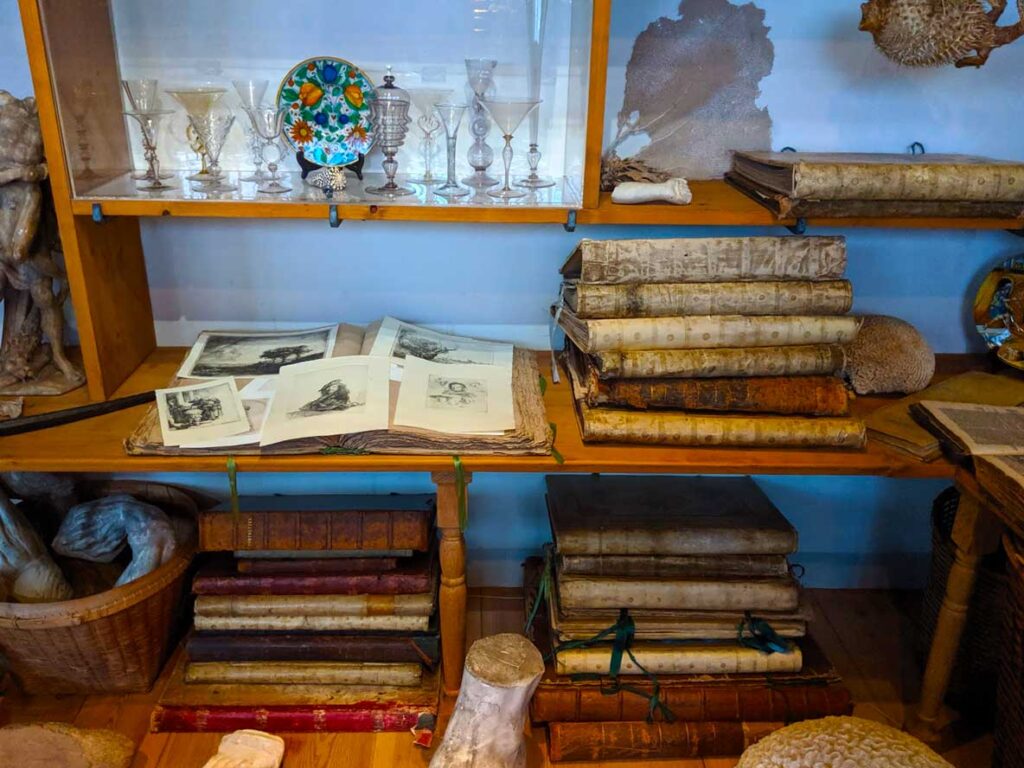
(316, 614)
(848, 184)
(710, 341)
(675, 625)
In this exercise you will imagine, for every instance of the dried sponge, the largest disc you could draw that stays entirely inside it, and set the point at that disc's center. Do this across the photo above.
(888, 355)
(840, 742)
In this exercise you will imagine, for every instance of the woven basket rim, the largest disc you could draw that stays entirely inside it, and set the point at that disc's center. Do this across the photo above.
(85, 609)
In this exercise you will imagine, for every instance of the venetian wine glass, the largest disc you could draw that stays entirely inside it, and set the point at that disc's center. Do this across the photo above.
(212, 130)
(149, 122)
(536, 19)
(451, 118)
(266, 123)
(197, 103)
(143, 98)
(508, 114)
(480, 76)
(423, 100)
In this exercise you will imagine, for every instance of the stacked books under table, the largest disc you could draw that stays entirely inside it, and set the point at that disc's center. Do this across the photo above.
(315, 614)
(685, 584)
(710, 341)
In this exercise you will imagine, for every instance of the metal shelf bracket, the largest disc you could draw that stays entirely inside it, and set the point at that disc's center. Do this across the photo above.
(799, 228)
(570, 222)
(97, 213)
(332, 216)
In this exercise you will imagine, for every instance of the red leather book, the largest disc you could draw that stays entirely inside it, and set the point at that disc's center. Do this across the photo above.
(321, 523)
(299, 719)
(415, 575)
(300, 565)
(644, 741)
(376, 647)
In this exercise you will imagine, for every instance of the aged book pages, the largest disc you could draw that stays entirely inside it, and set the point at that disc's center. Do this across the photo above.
(807, 395)
(314, 605)
(1002, 477)
(797, 360)
(771, 297)
(646, 741)
(892, 424)
(679, 659)
(609, 425)
(976, 429)
(701, 332)
(707, 259)
(853, 176)
(456, 398)
(531, 436)
(673, 566)
(303, 673)
(609, 515)
(389, 623)
(739, 594)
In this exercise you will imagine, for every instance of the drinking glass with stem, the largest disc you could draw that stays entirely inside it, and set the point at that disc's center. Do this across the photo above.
(508, 114)
(212, 129)
(250, 94)
(266, 123)
(450, 116)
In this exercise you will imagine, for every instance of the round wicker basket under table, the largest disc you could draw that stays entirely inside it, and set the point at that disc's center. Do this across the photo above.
(840, 742)
(972, 686)
(1009, 735)
(115, 641)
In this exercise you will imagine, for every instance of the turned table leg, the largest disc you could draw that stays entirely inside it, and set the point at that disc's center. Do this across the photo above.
(976, 533)
(452, 597)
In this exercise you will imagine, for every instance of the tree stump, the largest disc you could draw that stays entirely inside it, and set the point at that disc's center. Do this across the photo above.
(486, 727)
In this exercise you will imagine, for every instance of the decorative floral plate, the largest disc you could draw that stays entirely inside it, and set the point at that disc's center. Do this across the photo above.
(327, 104)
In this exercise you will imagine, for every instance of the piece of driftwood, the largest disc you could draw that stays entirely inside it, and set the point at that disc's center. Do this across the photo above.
(29, 249)
(248, 749)
(675, 191)
(616, 170)
(49, 745)
(486, 728)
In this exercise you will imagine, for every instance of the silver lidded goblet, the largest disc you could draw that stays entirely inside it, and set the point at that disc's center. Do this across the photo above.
(508, 114)
(451, 118)
(250, 94)
(149, 122)
(266, 123)
(390, 115)
(480, 76)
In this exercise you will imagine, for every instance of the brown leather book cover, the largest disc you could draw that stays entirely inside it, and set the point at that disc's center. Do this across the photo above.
(306, 565)
(622, 515)
(365, 647)
(646, 741)
(395, 521)
(673, 567)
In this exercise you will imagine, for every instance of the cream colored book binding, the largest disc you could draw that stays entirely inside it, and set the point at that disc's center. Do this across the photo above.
(315, 605)
(676, 659)
(311, 623)
(584, 592)
(798, 360)
(303, 673)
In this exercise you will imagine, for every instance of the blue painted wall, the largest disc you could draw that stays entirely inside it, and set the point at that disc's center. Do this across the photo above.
(829, 90)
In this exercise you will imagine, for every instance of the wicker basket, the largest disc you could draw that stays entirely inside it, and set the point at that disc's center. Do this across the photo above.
(115, 641)
(1009, 735)
(972, 685)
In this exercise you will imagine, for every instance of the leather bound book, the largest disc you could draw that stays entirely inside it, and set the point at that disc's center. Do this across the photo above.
(418, 575)
(706, 259)
(673, 566)
(364, 647)
(860, 176)
(646, 741)
(307, 565)
(379, 522)
(310, 623)
(268, 606)
(303, 673)
(310, 718)
(685, 658)
(795, 360)
(622, 515)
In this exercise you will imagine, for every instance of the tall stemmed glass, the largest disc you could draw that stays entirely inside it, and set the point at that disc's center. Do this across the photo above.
(480, 76)
(149, 122)
(451, 118)
(212, 130)
(266, 123)
(508, 114)
(250, 94)
(536, 18)
(142, 97)
(197, 103)
(424, 99)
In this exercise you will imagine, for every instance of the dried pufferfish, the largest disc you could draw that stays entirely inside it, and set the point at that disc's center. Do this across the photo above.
(931, 33)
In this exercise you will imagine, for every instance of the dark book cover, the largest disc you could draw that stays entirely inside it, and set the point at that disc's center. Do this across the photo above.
(306, 565)
(318, 646)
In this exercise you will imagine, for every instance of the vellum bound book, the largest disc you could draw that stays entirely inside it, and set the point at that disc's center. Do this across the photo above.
(795, 360)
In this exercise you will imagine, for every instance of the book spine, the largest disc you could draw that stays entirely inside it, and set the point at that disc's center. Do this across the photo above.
(703, 332)
(977, 182)
(697, 659)
(788, 704)
(358, 648)
(602, 425)
(715, 259)
(644, 741)
(314, 605)
(323, 584)
(588, 593)
(640, 541)
(223, 531)
(673, 566)
(302, 673)
(313, 719)
(281, 566)
(807, 395)
(310, 623)
(797, 360)
(829, 297)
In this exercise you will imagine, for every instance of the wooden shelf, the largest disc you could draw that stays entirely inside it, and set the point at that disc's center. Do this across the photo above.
(96, 445)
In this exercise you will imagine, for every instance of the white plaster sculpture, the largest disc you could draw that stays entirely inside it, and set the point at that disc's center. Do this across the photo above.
(486, 728)
(248, 749)
(675, 191)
